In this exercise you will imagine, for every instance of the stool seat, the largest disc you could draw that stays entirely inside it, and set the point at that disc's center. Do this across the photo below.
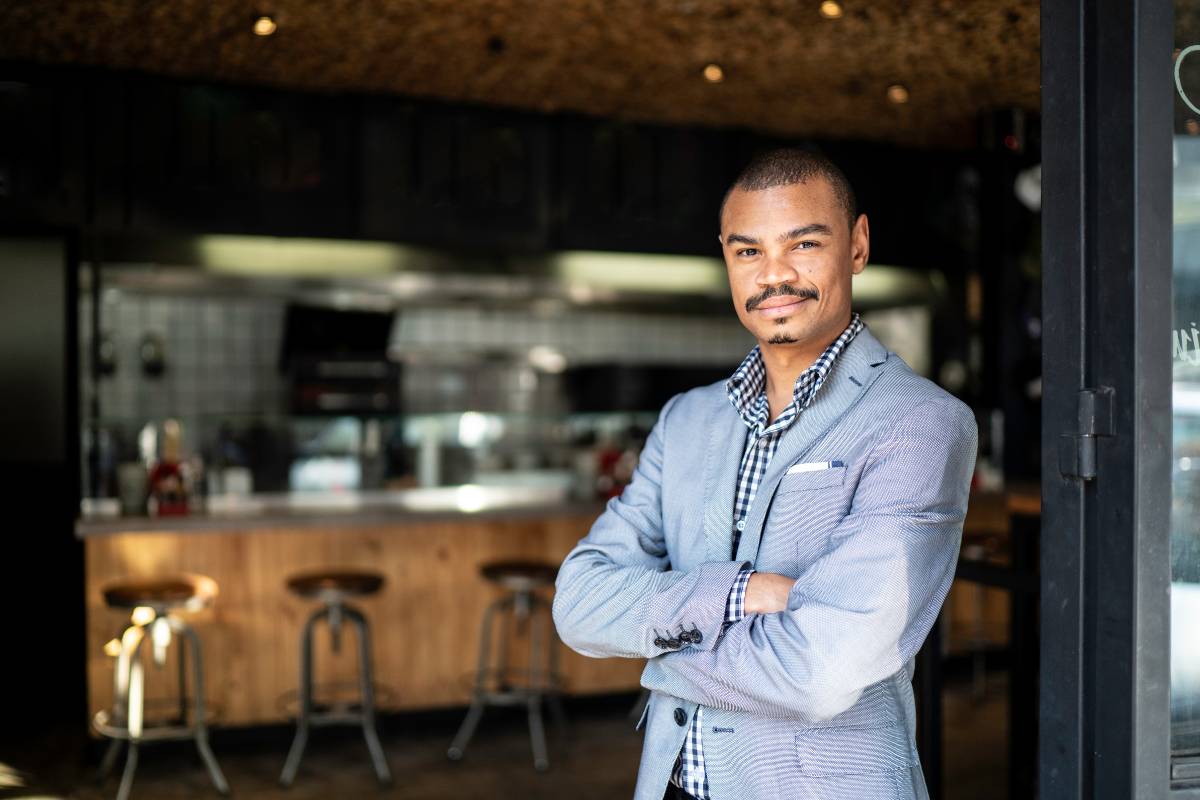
(350, 583)
(176, 591)
(520, 576)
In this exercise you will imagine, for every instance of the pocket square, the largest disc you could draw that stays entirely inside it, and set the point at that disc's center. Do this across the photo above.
(813, 466)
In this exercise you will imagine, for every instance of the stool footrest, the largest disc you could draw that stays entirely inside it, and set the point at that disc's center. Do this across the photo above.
(321, 719)
(152, 733)
(513, 698)
(516, 681)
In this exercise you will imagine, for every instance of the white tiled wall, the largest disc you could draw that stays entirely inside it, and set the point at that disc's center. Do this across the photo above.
(222, 352)
(221, 356)
(584, 337)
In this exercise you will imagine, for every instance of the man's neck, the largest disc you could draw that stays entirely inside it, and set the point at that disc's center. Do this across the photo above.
(784, 364)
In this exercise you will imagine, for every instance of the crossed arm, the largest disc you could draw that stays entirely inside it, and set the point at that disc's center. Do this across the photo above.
(855, 617)
(616, 595)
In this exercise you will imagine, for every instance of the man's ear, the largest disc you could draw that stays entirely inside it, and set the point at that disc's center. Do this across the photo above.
(860, 244)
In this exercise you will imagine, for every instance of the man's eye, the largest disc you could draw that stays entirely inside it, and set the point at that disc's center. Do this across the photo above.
(807, 245)
(747, 251)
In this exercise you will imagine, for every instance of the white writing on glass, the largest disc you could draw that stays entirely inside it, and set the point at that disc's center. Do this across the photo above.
(1178, 83)
(1185, 345)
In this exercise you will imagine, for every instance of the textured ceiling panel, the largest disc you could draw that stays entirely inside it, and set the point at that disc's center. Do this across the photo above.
(787, 69)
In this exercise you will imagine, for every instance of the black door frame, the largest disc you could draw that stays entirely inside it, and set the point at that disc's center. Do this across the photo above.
(1107, 128)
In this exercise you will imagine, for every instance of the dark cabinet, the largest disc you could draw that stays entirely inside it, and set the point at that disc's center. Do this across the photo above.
(639, 187)
(106, 108)
(467, 178)
(41, 153)
(120, 153)
(214, 159)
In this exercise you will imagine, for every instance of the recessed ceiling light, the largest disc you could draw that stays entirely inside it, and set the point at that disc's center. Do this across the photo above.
(713, 73)
(831, 9)
(265, 26)
(897, 93)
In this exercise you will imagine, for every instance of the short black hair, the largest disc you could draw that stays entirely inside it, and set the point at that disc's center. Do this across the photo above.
(785, 166)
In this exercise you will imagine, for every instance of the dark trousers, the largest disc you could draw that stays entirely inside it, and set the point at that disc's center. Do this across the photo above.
(675, 793)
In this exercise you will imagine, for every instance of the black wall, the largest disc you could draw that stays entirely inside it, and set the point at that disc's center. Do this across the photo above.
(124, 153)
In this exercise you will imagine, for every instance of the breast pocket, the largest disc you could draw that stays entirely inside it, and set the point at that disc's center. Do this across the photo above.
(813, 479)
(806, 507)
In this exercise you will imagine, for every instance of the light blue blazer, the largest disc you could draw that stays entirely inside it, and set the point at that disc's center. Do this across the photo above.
(814, 702)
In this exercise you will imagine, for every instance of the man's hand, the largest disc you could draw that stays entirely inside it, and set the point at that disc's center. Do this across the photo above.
(767, 593)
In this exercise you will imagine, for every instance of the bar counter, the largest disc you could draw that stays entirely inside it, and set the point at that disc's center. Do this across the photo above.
(425, 621)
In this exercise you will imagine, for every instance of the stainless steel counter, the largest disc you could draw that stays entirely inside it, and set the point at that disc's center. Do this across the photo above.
(302, 509)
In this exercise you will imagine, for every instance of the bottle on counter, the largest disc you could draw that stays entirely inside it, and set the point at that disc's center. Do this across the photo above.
(168, 494)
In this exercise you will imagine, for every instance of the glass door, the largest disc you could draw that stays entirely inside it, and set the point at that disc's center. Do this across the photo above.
(1118, 709)
(1185, 397)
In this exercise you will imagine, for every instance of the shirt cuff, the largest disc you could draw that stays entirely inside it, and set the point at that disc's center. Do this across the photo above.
(735, 606)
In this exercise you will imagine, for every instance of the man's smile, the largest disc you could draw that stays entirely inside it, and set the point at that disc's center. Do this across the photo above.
(779, 306)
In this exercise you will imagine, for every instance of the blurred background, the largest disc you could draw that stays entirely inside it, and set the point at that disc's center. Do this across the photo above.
(387, 295)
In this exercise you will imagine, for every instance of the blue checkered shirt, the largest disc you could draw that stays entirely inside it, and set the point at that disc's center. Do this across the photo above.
(747, 393)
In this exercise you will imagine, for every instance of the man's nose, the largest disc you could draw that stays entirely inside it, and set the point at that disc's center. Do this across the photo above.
(776, 271)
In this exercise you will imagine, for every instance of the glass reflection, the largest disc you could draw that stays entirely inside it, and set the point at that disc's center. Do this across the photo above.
(1185, 359)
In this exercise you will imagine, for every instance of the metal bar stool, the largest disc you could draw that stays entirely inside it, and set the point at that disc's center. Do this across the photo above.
(332, 589)
(152, 604)
(497, 683)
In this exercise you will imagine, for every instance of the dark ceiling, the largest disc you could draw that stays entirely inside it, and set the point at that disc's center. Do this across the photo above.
(787, 69)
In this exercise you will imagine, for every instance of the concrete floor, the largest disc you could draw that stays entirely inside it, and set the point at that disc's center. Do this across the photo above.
(597, 759)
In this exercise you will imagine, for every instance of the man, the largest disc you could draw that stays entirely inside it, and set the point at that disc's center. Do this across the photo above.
(789, 535)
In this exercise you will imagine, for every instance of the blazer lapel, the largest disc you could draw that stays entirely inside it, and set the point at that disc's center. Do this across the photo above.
(853, 372)
(727, 440)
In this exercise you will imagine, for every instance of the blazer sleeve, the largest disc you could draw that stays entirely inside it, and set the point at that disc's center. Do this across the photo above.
(616, 595)
(861, 611)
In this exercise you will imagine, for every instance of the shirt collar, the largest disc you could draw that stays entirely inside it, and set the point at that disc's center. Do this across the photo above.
(746, 388)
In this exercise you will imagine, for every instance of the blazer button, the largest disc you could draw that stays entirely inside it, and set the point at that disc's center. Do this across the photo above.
(660, 642)
(674, 644)
(680, 717)
(697, 636)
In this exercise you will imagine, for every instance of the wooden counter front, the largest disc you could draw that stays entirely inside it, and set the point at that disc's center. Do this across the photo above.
(425, 622)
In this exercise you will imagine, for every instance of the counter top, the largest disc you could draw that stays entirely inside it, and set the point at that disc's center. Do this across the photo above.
(304, 509)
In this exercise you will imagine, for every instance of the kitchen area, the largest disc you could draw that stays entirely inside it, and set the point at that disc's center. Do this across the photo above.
(282, 406)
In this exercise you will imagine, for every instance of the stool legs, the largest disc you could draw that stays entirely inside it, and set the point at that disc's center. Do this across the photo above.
(110, 759)
(458, 747)
(292, 764)
(335, 613)
(537, 731)
(131, 639)
(522, 607)
(127, 707)
(537, 735)
(131, 760)
(129, 703)
(134, 708)
(201, 725)
(366, 678)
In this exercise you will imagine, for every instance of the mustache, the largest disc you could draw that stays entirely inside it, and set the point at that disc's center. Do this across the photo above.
(783, 290)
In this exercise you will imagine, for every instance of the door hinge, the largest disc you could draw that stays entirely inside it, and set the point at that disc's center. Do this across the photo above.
(1077, 451)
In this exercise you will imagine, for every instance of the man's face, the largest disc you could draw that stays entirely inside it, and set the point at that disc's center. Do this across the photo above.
(790, 256)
